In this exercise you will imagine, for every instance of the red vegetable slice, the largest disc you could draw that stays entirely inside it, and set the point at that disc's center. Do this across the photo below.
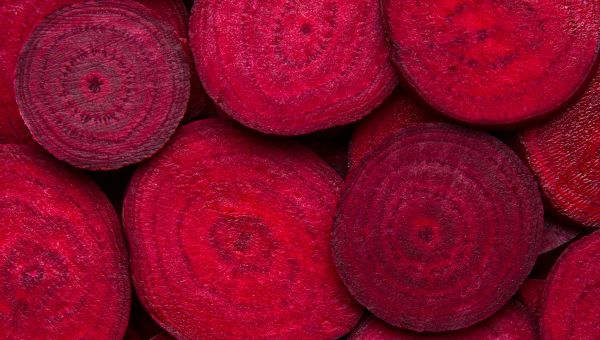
(557, 234)
(494, 62)
(512, 322)
(437, 228)
(564, 153)
(110, 91)
(63, 262)
(289, 67)
(570, 309)
(245, 222)
(531, 294)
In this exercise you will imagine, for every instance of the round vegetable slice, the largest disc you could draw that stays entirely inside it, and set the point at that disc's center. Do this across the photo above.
(557, 234)
(494, 62)
(102, 84)
(570, 308)
(245, 222)
(437, 228)
(290, 67)
(531, 294)
(63, 262)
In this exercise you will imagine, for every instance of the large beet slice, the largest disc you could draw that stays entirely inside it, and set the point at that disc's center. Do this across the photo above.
(111, 89)
(572, 297)
(63, 263)
(292, 67)
(512, 322)
(494, 62)
(437, 228)
(564, 153)
(244, 222)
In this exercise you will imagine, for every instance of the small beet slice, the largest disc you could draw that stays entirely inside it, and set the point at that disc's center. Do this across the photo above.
(63, 263)
(494, 62)
(531, 294)
(245, 222)
(437, 228)
(291, 67)
(557, 234)
(110, 91)
(399, 111)
(512, 322)
(564, 153)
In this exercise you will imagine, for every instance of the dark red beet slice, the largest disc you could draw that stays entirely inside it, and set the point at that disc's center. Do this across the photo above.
(511, 322)
(295, 67)
(564, 153)
(110, 91)
(437, 228)
(531, 294)
(494, 62)
(572, 297)
(399, 111)
(63, 263)
(557, 234)
(245, 222)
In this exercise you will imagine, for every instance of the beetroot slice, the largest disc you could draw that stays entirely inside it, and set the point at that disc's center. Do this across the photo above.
(570, 309)
(110, 91)
(531, 294)
(557, 234)
(399, 111)
(63, 261)
(494, 62)
(511, 322)
(564, 153)
(295, 67)
(437, 228)
(245, 222)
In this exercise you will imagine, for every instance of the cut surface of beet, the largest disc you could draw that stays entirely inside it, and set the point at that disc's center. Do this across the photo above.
(111, 89)
(572, 296)
(245, 221)
(531, 294)
(557, 234)
(564, 153)
(288, 67)
(512, 322)
(437, 228)
(494, 62)
(63, 263)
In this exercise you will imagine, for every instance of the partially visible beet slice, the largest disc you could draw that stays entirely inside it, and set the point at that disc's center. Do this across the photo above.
(531, 294)
(292, 67)
(437, 228)
(494, 62)
(512, 322)
(557, 234)
(399, 111)
(245, 222)
(564, 153)
(63, 262)
(111, 88)
(333, 150)
(572, 297)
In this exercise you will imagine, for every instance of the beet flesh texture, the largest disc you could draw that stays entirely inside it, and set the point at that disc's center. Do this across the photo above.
(564, 153)
(231, 213)
(291, 68)
(112, 89)
(437, 228)
(64, 263)
(557, 234)
(512, 322)
(494, 62)
(531, 294)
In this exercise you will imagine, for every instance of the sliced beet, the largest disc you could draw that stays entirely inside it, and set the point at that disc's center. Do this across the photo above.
(512, 322)
(63, 262)
(557, 234)
(292, 67)
(564, 153)
(494, 62)
(572, 297)
(112, 88)
(244, 221)
(399, 111)
(437, 228)
(531, 294)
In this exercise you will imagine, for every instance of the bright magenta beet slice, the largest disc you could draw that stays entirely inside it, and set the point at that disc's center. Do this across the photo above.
(289, 67)
(531, 294)
(572, 296)
(112, 89)
(437, 228)
(494, 62)
(512, 322)
(557, 234)
(63, 262)
(245, 221)
(564, 153)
